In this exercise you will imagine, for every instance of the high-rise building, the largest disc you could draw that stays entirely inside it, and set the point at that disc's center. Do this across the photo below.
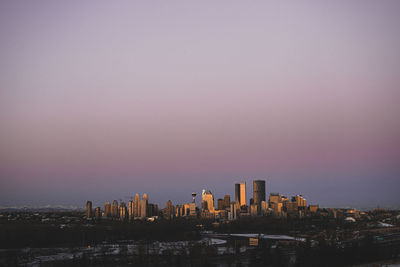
(253, 209)
(97, 213)
(301, 201)
(258, 191)
(291, 207)
(137, 206)
(274, 198)
(233, 211)
(169, 210)
(227, 202)
(240, 194)
(209, 199)
(151, 210)
(114, 209)
(131, 210)
(107, 209)
(204, 205)
(277, 208)
(89, 213)
(143, 207)
(313, 208)
(264, 208)
(155, 210)
(145, 197)
(192, 209)
(122, 211)
(179, 211)
(220, 204)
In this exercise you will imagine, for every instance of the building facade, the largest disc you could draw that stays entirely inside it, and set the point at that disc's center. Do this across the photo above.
(240, 194)
(258, 191)
(89, 212)
(207, 197)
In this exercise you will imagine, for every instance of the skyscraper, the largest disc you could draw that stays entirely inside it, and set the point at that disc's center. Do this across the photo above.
(107, 209)
(143, 207)
(240, 194)
(227, 201)
(209, 199)
(131, 210)
(114, 209)
(220, 204)
(97, 213)
(122, 211)
(301, 201)
(258, 192)
(89, 213)
(168, 210)
(192, 209)
(137, 206)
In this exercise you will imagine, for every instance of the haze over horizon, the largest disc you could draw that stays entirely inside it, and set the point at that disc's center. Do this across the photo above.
(102, 101)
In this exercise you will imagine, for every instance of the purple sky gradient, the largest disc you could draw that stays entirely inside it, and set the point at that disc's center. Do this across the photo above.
(101, 100)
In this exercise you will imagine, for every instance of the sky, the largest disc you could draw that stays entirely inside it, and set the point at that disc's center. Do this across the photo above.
(100, 100)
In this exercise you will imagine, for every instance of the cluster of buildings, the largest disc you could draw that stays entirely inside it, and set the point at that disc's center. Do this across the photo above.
(276, 205)
(136, 209)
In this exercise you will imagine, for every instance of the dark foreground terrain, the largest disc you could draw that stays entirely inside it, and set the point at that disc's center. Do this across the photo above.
(67, 239)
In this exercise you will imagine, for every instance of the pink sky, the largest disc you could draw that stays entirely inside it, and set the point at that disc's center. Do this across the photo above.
(102, 100)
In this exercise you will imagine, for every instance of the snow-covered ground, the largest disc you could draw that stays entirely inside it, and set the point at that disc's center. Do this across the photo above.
(275, 237)
(381, 224)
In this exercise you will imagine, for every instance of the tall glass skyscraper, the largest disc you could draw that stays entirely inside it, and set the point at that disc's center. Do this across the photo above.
(240, 194)
(258, 191)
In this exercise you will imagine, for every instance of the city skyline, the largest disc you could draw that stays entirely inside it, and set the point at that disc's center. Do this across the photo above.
(101, 101)
(277, 205)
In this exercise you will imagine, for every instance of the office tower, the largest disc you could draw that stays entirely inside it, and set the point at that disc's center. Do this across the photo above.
(291, 207)
(264, 208)
(192, 209)
(143, 207)
(233, 211)
(275, 203)
(151, 210)
(168, 210)
(107, 209)
(137, 206)
(145, 197)
(274, 198)
(277, 208)
(122, 211)
(240, 194)
(89, 213)
(97, 213)
(180, 210)
(186, 209)
(227, 201)
(313, 208)
(220, 204)
(301, 201)
(258, 191)
(204, 205)
(208, 197)
(155, 213)
(114, 209)
(131, 210)
(253, 209)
